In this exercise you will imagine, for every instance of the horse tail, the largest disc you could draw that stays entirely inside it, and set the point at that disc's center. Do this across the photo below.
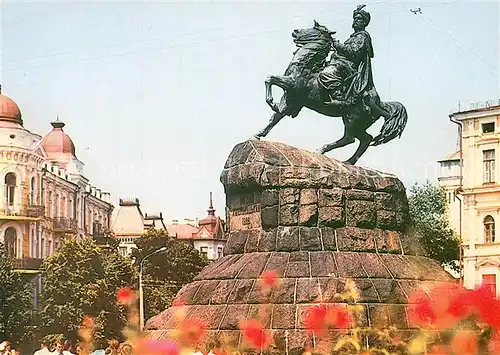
(394, 125)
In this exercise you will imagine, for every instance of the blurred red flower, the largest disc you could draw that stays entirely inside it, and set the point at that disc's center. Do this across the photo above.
(88, 322)
(494, 344)
(439, 350)
(124, 295)
(464, 343)
(322, 317)
(156, 347)
(192, 331)
(255, 334)
(270, 278)
(486, 305)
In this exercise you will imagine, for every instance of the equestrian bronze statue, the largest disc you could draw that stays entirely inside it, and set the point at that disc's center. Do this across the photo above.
(340, 87)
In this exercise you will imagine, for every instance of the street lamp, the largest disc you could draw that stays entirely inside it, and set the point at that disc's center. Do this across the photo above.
(141, 291)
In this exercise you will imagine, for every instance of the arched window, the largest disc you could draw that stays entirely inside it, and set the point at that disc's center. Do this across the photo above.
(10, 185)
(489, 229)
(10, 238)
(32, 191)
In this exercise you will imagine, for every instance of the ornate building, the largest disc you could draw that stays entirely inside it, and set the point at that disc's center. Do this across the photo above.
(130, 223)
(209, 237)
(471, 178)
(45, 196)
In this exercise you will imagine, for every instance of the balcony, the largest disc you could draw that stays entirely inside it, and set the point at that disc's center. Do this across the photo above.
(31, 264)
(35, 211)
(65, 225)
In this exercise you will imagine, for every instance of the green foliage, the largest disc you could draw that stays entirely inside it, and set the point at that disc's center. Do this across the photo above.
(166, 272)
(81, 279)
(428, 214)
(15, 303)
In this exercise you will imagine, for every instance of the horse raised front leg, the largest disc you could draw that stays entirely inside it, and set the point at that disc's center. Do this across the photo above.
(284, 82)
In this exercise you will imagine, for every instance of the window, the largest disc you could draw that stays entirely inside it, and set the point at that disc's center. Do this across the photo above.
(490, 281)
(489, 165)
(10, 238)
(10, 184)
(32, 191)
(488, 127)
(204, 251)
(489, 229)
(220, 252)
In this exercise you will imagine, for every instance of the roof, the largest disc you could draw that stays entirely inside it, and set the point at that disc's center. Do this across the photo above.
(9, 111)
(452, 157)
(128, 221)
(181, 231)
(57, 144)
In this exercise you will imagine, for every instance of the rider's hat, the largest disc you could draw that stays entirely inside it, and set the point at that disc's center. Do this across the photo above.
(365, 14)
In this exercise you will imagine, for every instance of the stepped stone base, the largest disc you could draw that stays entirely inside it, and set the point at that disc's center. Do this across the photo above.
(316, 222)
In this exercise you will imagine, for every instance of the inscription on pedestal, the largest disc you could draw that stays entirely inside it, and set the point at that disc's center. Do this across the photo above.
(244, 211)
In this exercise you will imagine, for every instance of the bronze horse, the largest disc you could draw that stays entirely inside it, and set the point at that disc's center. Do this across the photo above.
(302, 89)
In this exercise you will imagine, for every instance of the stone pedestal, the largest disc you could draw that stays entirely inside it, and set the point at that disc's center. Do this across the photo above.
(316, 222)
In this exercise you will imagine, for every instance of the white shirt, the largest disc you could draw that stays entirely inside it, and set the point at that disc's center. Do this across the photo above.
(43, 351)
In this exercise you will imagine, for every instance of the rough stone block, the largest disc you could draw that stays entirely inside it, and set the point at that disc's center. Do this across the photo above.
(323, 264)
(385, 201)
(267, 240)
(220, 294)
(360, 195)
(236, 243)
(263, 312)
(308, 290)
(360, 214)
(289, 215)
(309, 239)
(389, 291)
(386, 220)
(270, 177)
(331, 216)
(285, 293)
(254, 266)
(379, 316)
(388, 242)
(269, 198)
(367, 291)
(277, 263)
(283, 316)
(287, 239)
(240, 292)
(308, 196)
(329, 239)
(331, 197)
(373, 266)
(308, 215)
(330, 289)
(288, 196)
(349, 265)
(298, 265)
(252, 244)
(269, 217)
(234, 314)
(355, 239)
(204, 293)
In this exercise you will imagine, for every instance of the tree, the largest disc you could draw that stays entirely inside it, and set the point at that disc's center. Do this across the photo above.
(81, 279)
(15, 303)
(166, 272)
(428, 214)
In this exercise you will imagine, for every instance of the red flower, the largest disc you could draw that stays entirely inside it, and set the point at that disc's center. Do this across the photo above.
(156, 347)
(486, 305)
(420, 311)
(270, 278)
(494, 344)
(124, 295)
(464, 343)
(439, 350)
(88, 322)
(191, 331)
(254, 333)
(321, 317)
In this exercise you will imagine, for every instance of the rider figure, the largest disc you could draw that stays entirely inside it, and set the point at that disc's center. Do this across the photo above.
(358, 50)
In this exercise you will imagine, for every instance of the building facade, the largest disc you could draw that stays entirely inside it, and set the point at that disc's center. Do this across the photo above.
(208, 237)
(45, 195)
(473, 192)
(130, 223)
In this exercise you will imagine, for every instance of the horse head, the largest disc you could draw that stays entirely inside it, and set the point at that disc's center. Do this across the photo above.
(319, 36)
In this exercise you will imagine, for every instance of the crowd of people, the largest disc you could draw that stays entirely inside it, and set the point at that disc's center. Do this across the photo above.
(66, 348)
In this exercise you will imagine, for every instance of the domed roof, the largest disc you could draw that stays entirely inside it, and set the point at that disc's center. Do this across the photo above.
(57, 144)
(9, 111)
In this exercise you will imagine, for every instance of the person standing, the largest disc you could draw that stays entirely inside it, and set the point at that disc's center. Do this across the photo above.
(44, 349)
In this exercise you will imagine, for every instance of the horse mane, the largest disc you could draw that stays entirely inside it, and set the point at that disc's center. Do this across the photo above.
(311, 56)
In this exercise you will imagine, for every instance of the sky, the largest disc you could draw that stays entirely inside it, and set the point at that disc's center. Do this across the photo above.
(156, 94)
